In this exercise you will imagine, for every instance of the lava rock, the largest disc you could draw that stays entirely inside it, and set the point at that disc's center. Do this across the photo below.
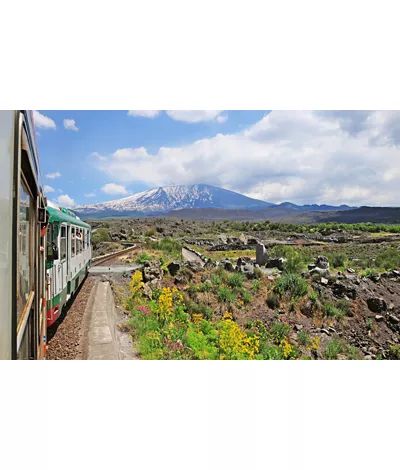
(247, 270)
(152, 271)
(194, 266)
(376, 304)
(227, 265)
(322, 263)
(276, 263)
(262, 255)
(174, 268)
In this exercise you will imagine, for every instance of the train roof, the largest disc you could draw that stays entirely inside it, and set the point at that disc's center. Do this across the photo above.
(60, 214)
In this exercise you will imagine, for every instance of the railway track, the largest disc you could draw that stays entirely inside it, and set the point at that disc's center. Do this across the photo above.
(103, 259)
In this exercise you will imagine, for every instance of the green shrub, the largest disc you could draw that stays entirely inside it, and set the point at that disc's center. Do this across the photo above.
(216, 280)
(151, 232)
(295, 262)
(344, 305)
(236, 280)
(272, 353)
(314, 297)
(337, 259)
(258, 274)
(368, 324)
(279, 331)
(246, 297)
(303, 338)
(205, 287)
(394, 351)
(352, 353)
(389, 259)
(143, 257)
(100, 235)
(256, 285)
(291, 284)
(333, 349)
(273, 301)
(202, 308)
(331, 311)
(225, 294)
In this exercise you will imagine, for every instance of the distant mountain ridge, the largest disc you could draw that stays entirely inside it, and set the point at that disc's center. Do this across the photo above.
(162, 200)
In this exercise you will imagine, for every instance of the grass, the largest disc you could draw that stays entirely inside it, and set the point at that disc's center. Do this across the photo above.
(279, 331)
(236, 280)
(247, 297)
(143, 257)
(292, 285)
(333, 349)
(303, 338)
(218, 255)
(256, 285)
(224, 294)
(331, 310)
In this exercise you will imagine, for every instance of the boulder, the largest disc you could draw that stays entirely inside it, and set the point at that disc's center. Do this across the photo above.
(152, 272)
(322, 263)
(174, 267)
(243, 260)
(247, 270)
(376, 304)
(194, 266)
(227, 265)
(262, 255)
(319, 271)
(276, 263)
(339, 289)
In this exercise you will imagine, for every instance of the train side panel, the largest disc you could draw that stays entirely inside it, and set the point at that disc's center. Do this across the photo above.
(66, 273)
(6, 259)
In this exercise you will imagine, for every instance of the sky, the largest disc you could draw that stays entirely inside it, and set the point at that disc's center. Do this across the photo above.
(322, 157)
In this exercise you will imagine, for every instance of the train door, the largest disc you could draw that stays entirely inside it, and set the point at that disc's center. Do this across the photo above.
(26, 267)
(63, 267)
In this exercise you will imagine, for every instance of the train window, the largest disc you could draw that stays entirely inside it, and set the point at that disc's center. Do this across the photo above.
(72, 242)
(25, 251)
(63, 243)
(80, 240)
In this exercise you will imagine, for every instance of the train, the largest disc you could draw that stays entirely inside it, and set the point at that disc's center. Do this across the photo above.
(45, 250)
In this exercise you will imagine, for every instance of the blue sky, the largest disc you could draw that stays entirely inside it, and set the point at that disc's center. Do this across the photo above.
(68, 149)
(323, 157)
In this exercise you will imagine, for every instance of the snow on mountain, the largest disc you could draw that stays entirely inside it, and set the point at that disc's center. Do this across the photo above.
(164, 199)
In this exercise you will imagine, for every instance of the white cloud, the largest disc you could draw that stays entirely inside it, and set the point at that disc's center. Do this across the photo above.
(90, 195)
(65, 201)
(48, 189)
(196, 116)
(69, 124)
(42, 121)
(54, 175)
(97, 155)
(146, 114)
(221, 118)
(112, 188)
(302, 156)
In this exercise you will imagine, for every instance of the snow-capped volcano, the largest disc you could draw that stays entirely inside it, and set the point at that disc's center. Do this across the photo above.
(168, 198)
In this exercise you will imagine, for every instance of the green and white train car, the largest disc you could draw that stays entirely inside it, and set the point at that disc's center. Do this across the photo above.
(69, 254)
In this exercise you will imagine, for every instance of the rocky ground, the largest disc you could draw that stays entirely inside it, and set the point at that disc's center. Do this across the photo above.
(64, 336)
(351, 306)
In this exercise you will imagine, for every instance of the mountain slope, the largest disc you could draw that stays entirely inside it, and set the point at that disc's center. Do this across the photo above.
(168, 198)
